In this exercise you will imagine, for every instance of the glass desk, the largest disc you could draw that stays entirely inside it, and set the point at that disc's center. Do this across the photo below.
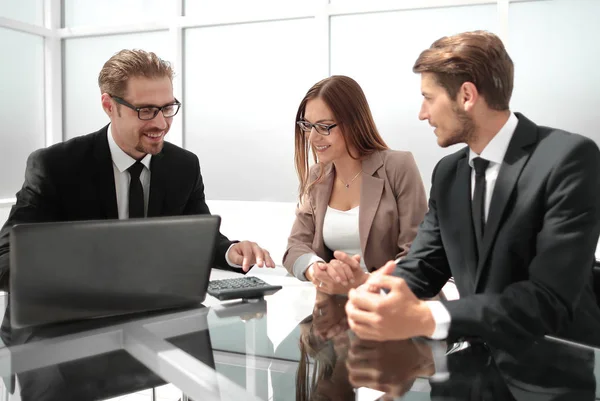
(294, 345)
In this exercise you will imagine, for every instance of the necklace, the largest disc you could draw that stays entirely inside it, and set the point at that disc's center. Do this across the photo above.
(350, 182)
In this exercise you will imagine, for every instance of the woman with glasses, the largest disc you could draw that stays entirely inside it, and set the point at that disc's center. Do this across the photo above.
(360, 198)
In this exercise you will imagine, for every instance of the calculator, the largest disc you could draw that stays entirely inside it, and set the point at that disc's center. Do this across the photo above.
(243, 287)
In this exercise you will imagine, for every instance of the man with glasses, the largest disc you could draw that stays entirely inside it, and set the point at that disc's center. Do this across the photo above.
(124, 170)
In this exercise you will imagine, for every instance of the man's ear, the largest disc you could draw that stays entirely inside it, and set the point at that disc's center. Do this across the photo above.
(467, 96)
(107, 104)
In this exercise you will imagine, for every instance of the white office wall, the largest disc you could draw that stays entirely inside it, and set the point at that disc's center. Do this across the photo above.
(556, 50)
(243, 85)
(378, 50)
(83, 60)
(21, 105)
(4, 211)
(29, 11)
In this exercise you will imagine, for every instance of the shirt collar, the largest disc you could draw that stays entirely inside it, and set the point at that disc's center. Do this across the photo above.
(121, 159)
(496, 148)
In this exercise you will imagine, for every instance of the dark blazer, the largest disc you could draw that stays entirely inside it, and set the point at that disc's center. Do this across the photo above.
(534, 273)
(74, 180)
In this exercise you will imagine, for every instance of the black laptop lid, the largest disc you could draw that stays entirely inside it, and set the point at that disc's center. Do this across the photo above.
(90, 269)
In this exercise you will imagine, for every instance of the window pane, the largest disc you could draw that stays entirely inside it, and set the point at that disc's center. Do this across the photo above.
(380, 56)
(111, 12)
(21, 106)
(556, 70)
(30, 11)
(83, 110)
(239, 8)
(243, 86)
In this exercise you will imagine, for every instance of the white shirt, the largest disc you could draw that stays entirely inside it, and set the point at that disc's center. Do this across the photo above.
(494, 152)
(340, 232)
(121, 162)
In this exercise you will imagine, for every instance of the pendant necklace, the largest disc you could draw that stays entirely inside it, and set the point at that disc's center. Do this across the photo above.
(352, 180)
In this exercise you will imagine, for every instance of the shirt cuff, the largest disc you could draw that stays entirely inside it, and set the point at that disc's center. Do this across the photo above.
(441, 316)
(227, 258)
(302, 264)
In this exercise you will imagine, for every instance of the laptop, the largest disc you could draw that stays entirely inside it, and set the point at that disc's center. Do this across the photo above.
(90, 269)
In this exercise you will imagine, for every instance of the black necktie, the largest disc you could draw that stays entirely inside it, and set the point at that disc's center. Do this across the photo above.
(478, 204)
(136, 191)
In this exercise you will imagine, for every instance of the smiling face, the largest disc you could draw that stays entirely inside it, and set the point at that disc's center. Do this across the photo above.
(327, 147)
(451, 123)
(134, 136)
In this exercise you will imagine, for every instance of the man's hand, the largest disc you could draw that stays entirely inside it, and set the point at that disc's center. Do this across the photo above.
(396, 316)
(248, 253)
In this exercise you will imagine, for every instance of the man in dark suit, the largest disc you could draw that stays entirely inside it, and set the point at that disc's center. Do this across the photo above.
(125, 169)
(514, 217)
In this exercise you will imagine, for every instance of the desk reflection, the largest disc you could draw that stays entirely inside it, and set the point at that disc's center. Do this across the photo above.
(324, 340)
(334, 362)
(105, 375)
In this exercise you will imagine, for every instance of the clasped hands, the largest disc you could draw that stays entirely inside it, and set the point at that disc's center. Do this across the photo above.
(329, 316)
(389, 366)
(339, 275)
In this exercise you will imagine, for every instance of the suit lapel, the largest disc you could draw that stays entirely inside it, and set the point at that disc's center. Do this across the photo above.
(157, 185)
(370, 196)
(461, 191)
(104, 176)
(516, 157)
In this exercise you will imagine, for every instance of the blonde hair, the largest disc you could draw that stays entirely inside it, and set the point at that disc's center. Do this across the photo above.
(126, 64)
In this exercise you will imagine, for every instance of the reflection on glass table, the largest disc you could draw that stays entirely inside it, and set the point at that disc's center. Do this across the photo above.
(107, 358)
(294, 345)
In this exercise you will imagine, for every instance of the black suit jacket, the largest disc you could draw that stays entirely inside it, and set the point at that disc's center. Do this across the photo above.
(534, 274)
(74, 180)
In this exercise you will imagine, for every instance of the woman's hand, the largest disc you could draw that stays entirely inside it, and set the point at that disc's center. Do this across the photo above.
(339, 275)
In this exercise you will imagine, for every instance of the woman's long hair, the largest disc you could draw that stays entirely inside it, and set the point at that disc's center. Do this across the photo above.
(312, 347)
(353, 116)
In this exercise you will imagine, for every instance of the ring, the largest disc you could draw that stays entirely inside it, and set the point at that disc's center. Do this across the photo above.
(320, 312)
(321, 284)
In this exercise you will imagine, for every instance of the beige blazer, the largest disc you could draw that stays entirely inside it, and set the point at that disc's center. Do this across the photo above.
(392, 205)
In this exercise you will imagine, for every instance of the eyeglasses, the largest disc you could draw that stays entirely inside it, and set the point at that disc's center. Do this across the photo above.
(149, 112)
(322, 129)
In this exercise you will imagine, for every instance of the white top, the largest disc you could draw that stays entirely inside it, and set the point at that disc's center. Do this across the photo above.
(121, 162)
(340, 232)
(494, 152)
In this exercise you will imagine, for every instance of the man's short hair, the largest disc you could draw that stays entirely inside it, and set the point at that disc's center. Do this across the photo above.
(478, 57)
(131, 63)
